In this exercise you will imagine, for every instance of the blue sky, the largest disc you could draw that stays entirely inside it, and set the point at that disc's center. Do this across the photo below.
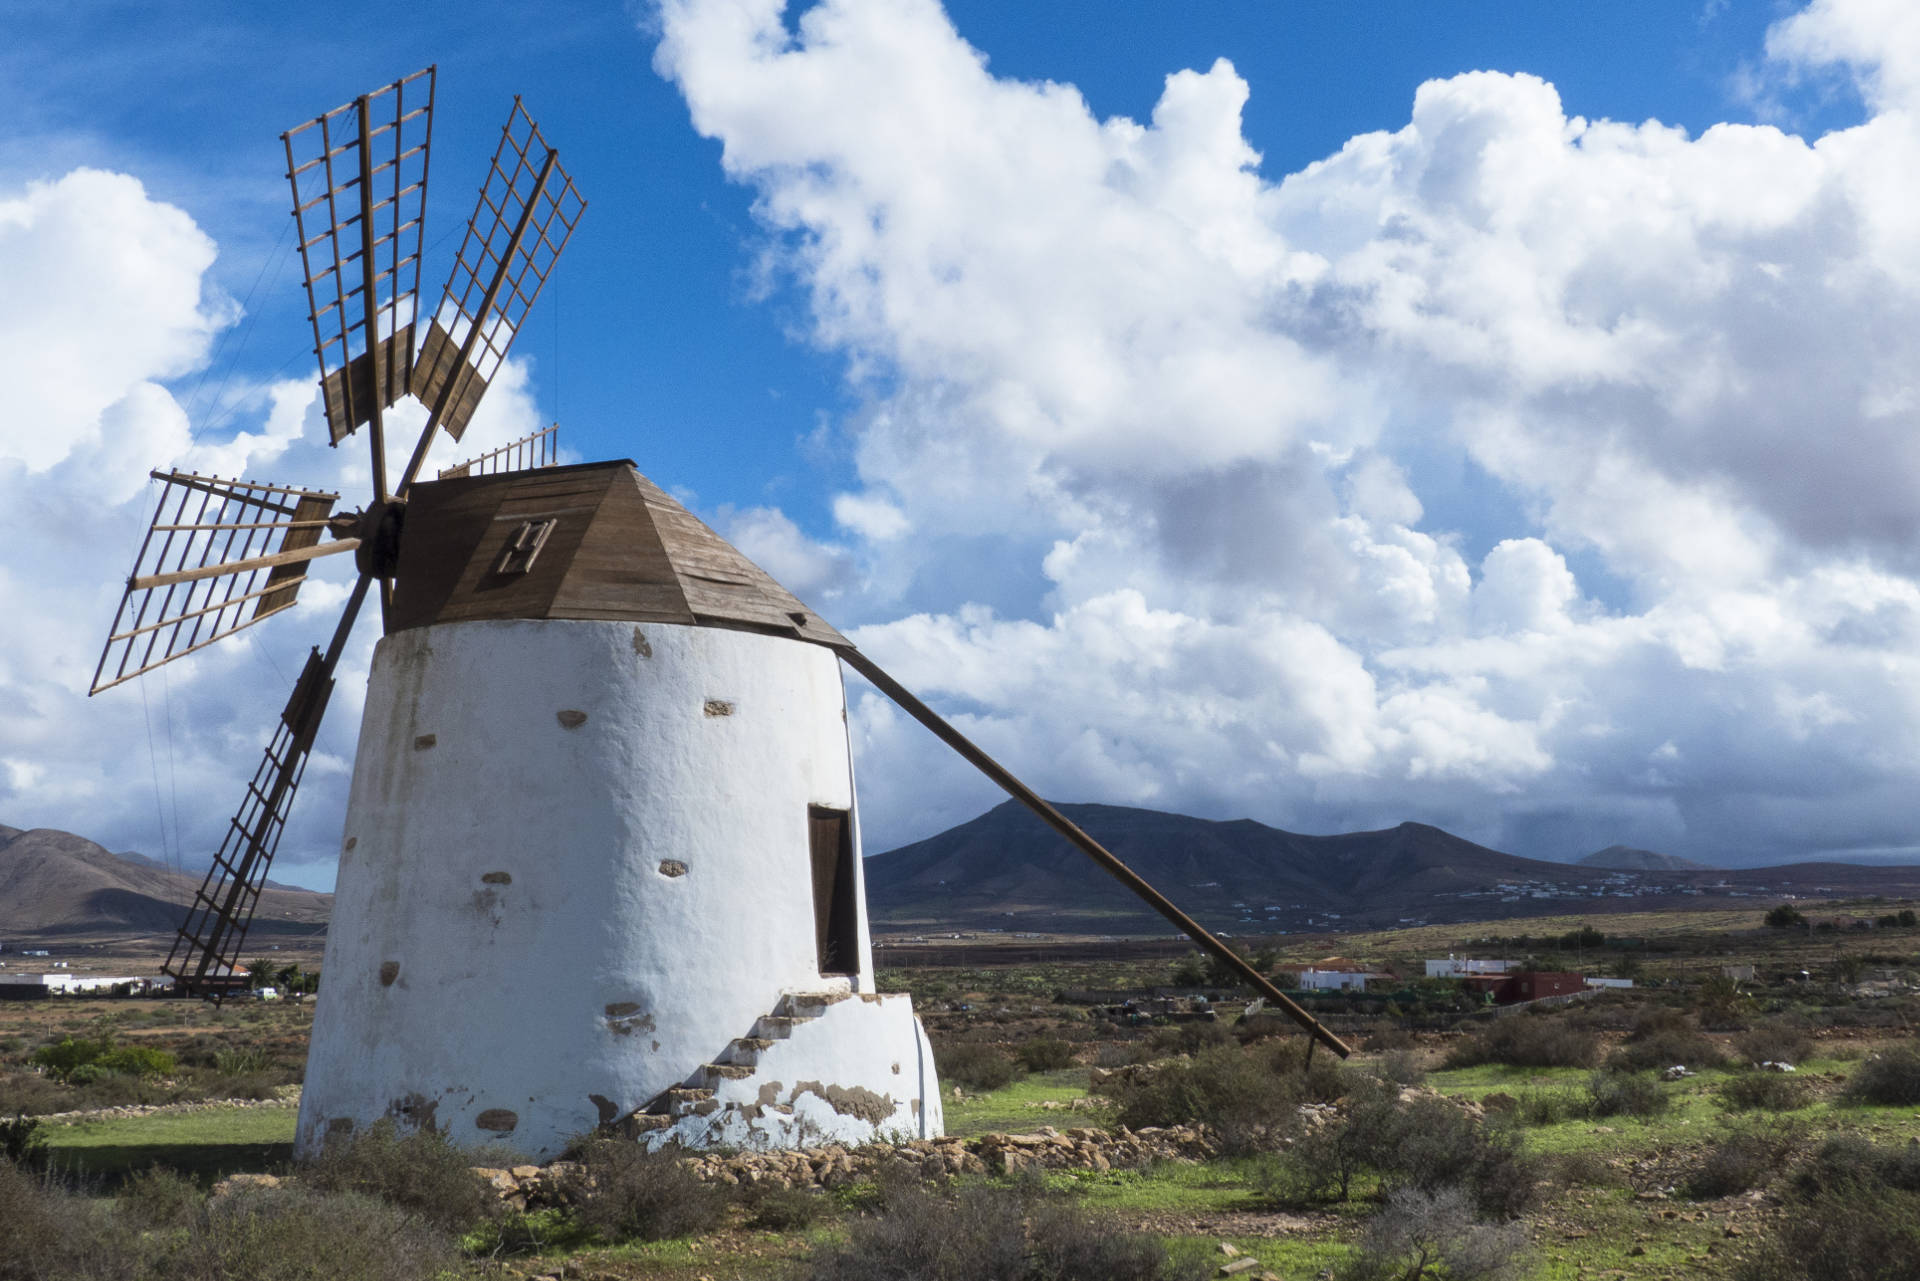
(1369, 479)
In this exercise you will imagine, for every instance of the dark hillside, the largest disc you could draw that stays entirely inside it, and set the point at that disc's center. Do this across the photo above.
(1007, 870)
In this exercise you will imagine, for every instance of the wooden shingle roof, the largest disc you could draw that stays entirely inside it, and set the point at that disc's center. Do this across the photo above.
(618, 548)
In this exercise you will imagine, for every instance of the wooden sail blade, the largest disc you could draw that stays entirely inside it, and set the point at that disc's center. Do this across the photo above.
(527, 211)
(359, 178)
(208, 942)
(529, 453)
(218, 556)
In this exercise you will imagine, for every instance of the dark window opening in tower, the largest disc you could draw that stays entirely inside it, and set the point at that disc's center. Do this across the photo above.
(836, 914)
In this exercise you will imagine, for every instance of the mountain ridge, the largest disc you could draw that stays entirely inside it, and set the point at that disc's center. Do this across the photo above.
(1007, 870)
(56, 884)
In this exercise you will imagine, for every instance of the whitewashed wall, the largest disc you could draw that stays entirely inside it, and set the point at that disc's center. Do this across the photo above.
(509, 960)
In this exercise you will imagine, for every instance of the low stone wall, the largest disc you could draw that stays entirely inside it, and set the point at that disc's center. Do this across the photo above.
(836, 1164)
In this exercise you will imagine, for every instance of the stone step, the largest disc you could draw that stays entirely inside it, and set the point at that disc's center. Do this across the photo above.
(808, 1004)
(673, 1102)
(745, 1050)
(711, 1072)
(777, 1027)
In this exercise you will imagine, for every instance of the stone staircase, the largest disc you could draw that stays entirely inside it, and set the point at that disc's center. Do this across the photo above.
(738, 1062)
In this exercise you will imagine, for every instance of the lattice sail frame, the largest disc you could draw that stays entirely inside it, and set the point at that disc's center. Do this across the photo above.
(359, 203)
(529, 453)
(527, 211)
(239, 557)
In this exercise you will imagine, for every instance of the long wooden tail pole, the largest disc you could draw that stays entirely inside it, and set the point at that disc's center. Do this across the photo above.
(1091, 848)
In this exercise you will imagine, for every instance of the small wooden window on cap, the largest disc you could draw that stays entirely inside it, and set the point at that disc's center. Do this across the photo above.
(525, 545)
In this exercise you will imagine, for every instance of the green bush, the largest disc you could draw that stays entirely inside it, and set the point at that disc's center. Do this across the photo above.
(783, 1209)
(1548, 1107)
(22, 1142)
(514, 1233)
(623, 1192)
(975, 1065)
(244, 1061)
(1888, 1079)
(63, 1056)
(80, 1061)
(1527, 1040)
(1045, 1054)
(1615, 1093)
(420, 1172)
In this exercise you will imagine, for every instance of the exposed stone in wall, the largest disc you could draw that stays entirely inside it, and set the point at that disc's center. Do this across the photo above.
(837, 1164)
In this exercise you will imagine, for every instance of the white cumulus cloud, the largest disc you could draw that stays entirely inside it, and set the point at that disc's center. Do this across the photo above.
(1200, 418)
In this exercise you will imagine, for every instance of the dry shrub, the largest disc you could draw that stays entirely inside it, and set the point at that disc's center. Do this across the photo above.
(31, 1094)
(1427, 1144)
(1323, 1078)
(1402, 1067)
(975, 1065)
(990, 1233)
(1664, 1038)
(1888, 1079)
(1578, 1169)
(1190, 1038)
(297, 1234)
(1777, 1041)
(1862, 1235)
(420, 1172)
(1764, 1092)
(623, 1192)
(1388, 1036)
(1741, 1161)
(1527, 1040)
(1847, 1162)
(1045, 1054)
(1615, 1093)
(1428, 1234)
(159, 1198)
(1247, 1100)
(48, 1233)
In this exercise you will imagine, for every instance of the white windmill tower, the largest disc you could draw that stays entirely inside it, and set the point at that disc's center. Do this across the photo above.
(601, 857)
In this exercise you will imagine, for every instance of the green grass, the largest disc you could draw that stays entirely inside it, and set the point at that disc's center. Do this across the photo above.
(1007, 1110)
(1290, 1256)
(204, 1145)
(1188, 1188)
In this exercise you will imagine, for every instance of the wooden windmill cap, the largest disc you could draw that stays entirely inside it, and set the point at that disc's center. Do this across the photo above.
(593, 541)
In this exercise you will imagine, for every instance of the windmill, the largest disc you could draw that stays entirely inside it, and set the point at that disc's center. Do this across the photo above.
(601, 856)
(222, 555)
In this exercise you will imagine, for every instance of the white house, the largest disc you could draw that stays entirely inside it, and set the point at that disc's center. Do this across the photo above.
(1457, 967)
